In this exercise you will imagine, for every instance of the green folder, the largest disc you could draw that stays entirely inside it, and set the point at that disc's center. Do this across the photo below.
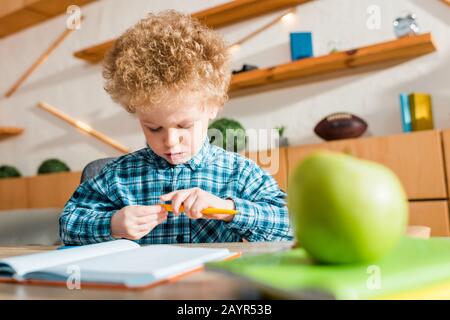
(413, 264)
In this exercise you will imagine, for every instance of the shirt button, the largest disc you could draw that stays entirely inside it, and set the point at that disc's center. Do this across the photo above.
(180, 238)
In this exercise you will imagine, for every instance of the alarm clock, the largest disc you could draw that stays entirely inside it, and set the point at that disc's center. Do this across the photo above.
(406, 26)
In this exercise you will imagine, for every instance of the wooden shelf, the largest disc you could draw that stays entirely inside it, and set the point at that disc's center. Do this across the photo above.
(95, 53)
(219, 16)
(6, 132)
(346, 62)
(239, 10)
(18, 15)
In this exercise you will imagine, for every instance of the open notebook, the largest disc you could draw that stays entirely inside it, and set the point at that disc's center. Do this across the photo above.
(119, 263)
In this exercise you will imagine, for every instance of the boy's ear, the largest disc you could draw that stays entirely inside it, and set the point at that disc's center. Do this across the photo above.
(213, 111)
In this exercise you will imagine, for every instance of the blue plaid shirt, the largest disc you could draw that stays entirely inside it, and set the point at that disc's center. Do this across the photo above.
(141, 177)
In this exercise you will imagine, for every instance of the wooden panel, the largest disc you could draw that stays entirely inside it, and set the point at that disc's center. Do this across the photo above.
(274, 162)
(52, 190)
(446, 145)
(19, 20)
(6, 132)
(345, 62)
(27, 13)
(10, 6)
(95, 53)
(13, 193)
(433, 214)
(416, 158)
(53, 8)
(239, 10)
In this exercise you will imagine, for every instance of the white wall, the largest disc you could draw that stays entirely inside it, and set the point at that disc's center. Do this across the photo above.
(76, 87)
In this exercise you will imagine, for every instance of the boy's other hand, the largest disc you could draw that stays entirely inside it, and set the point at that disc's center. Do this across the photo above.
(134, 222)
(194, 200)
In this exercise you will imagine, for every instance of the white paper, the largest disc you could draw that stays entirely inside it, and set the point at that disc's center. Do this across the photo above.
(33, 262)
(139, 266)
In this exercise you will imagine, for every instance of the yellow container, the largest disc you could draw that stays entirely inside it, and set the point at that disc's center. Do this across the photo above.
(421, 111)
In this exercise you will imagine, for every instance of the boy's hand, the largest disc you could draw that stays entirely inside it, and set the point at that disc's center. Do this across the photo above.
(195, 200)
(134, 222)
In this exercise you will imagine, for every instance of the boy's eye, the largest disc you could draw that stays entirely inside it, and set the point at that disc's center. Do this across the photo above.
(154, 129)
(185, 126)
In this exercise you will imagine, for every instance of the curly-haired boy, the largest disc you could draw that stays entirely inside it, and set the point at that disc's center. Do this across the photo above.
(172, 73)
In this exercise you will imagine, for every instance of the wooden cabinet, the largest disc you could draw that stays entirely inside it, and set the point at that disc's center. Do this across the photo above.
(420, 159)
(43, 191)
(52, 190)
(274, 162)
(446, 145)
(416, 158)
(433, 214)
(13, 193)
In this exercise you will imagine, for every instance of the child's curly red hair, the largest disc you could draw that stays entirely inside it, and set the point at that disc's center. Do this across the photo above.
(167, 55)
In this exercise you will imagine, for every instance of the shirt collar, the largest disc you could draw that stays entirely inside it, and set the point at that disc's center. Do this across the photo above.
(202, 155)
(195, 162)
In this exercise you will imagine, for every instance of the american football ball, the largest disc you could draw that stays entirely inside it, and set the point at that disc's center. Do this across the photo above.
(341, 125)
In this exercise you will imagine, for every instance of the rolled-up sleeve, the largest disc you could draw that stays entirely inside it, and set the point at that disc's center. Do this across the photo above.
(263, 215)
(86, 217)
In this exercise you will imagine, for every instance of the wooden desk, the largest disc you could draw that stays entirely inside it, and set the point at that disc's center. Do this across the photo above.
(200, 285)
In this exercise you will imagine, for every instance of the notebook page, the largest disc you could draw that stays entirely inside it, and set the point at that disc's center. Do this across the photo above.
(27, 263)
(137, 267)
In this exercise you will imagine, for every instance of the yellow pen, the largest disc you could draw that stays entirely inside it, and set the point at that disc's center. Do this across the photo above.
(168, 207)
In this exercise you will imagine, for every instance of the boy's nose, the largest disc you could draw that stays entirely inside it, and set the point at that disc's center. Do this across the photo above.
(173, 138)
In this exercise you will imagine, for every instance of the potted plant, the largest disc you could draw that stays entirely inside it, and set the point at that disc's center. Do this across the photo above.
(9, 172)
(282, 141)
(53, 166)
(233, 134)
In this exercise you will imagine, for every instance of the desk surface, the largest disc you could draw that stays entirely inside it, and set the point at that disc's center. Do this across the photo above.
(199, 285)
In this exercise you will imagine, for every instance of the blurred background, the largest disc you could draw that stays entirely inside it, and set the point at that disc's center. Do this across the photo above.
(349, 56)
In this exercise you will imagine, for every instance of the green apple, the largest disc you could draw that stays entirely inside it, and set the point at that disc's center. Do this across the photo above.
(344, 209)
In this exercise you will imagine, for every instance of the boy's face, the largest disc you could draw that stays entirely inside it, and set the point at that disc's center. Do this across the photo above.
(176, 133)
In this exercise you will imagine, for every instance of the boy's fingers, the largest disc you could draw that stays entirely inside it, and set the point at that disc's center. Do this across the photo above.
(142, 220)
(168, 196)
(178, 200)
(151, 218)
(149, 210)
(144, 229)
(188, 202)
(161, 219)
(196, 210)
(147, 227)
